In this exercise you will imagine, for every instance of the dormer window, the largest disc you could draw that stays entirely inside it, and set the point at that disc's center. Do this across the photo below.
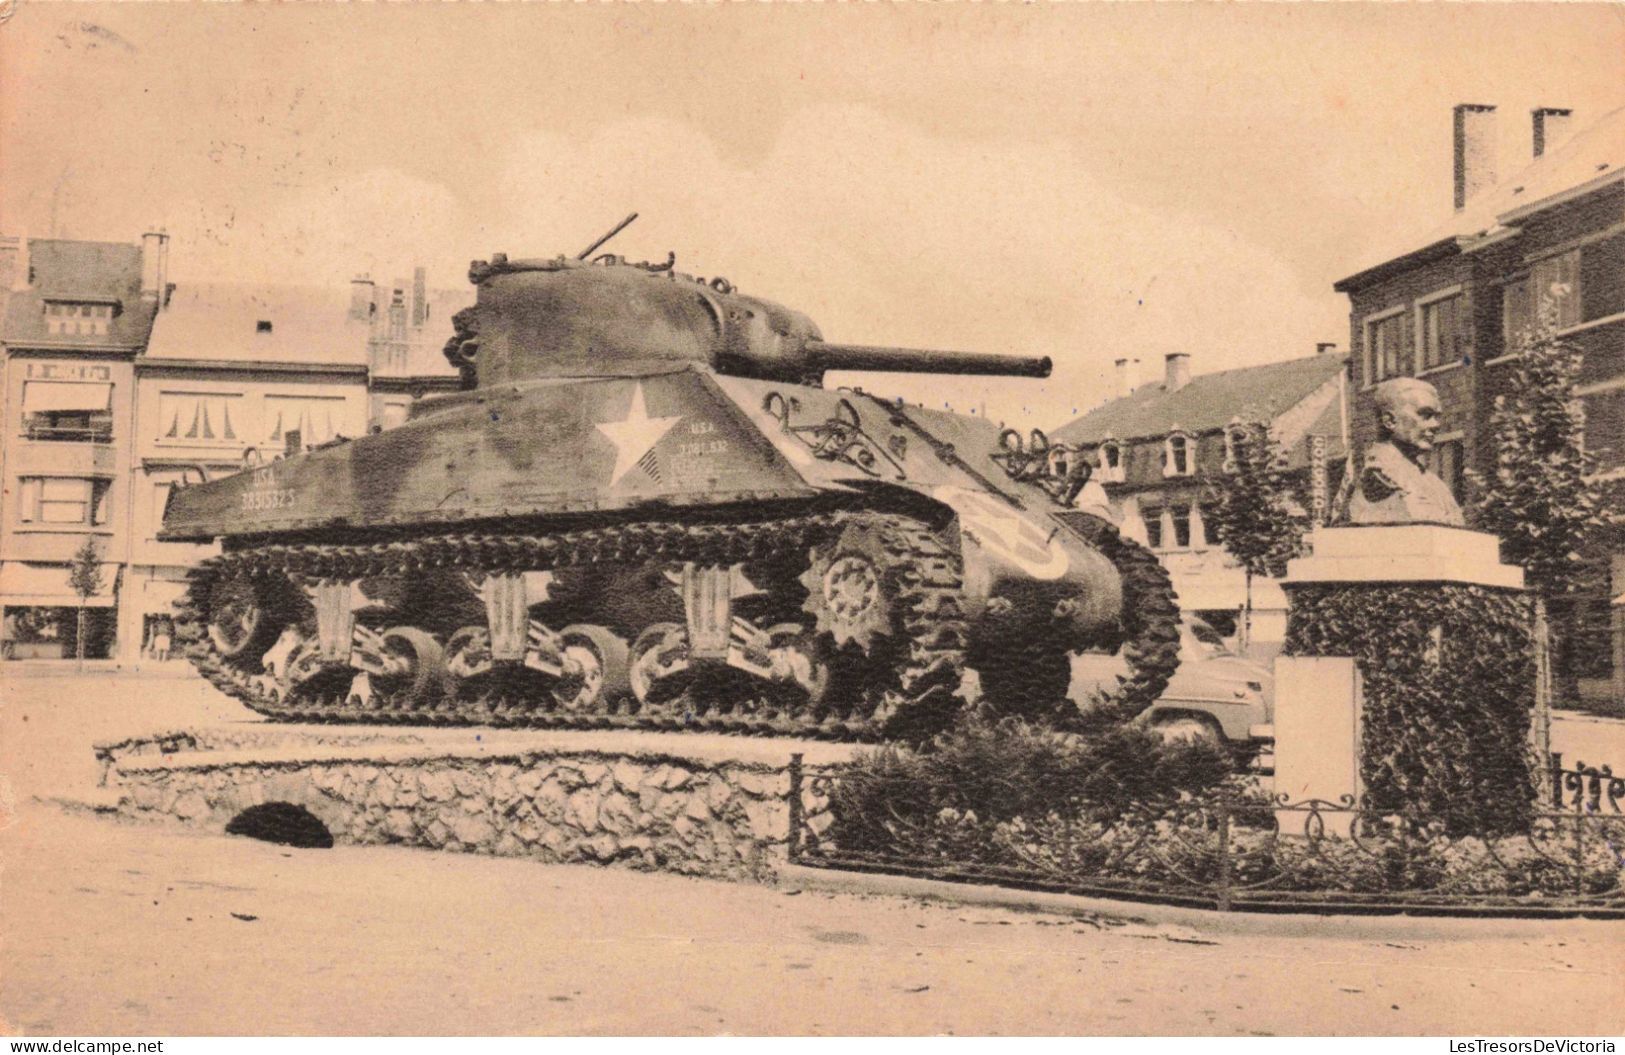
(1235, 437)
(1111, 462)
(71, 318)
(1178, 455)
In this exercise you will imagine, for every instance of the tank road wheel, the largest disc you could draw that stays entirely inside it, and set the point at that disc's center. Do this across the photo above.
(421, 676)
(801, 661)
(657, 657)
(468, 653)
(596, 668)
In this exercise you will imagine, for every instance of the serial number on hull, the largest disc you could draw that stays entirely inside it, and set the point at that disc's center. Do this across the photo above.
(260, 501)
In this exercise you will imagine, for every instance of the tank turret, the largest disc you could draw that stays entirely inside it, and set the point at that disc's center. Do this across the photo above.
(564, 317)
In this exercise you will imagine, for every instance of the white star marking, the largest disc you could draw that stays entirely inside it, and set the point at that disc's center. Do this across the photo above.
(635, 435)
(1004, 532)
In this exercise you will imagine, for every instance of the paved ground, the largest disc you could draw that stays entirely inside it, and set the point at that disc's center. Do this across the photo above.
(113, 929)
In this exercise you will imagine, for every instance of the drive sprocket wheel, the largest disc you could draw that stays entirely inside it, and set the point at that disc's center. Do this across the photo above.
(885, 598)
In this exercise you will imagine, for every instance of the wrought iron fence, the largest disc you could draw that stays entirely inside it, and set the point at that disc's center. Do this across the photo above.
(1244, 851)
(1585, 789)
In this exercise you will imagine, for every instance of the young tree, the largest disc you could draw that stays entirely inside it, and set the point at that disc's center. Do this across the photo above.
(85, 578)
(1254, 515)
(1540, 497)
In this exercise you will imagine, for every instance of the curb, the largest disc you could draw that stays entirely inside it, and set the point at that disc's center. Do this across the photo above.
(1207, 921)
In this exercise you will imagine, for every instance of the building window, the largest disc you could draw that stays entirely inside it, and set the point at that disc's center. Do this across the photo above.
(1178, 455)
(199, 417)
(1111, 462)
(74, 319)
(1387, 347)
(68, 410)
(1555, 280)
(70, 426)
(63, 500)
(1153, 526)
(1443, 326)
(1180, 515)
(307, 420)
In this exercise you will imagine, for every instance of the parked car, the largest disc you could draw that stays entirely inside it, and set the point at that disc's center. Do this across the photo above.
(1217, 693)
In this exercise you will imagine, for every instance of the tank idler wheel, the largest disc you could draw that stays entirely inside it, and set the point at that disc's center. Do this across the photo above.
(596, 671)
(422, 679)
(658, 657)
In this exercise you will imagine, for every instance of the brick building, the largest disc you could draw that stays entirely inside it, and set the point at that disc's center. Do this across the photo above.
(1160, 447)
(1450, 304)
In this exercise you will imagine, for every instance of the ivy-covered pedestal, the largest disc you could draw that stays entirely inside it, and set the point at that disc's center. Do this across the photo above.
(1439, 629)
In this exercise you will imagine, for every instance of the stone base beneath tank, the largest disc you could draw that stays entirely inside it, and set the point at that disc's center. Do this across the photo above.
(695, 804)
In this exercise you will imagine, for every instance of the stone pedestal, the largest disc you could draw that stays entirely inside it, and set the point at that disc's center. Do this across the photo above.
(1438, 628)
(1394, 553)
(1317, 722)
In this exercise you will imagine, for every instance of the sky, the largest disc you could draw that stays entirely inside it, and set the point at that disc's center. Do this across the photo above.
(1084, 181)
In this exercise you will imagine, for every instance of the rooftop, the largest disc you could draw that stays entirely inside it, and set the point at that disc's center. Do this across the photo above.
(233, 322)
(80, 272)
(1210, 401)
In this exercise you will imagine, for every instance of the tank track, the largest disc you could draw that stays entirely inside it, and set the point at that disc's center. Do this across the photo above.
(1029, 677)
(1150, 621)
(921, 701)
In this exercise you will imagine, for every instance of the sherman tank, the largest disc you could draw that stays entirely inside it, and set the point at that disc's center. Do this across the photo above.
(644, 509)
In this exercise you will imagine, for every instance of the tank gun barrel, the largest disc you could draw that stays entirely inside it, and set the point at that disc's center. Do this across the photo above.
(826, 356)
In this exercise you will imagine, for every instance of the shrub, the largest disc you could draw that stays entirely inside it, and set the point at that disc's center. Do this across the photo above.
(1000, 771)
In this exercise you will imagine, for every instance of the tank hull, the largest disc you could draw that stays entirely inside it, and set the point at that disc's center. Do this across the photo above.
(671, 544)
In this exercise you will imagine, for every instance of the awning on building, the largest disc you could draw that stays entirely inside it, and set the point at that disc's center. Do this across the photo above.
(42, 396)
(47, 585)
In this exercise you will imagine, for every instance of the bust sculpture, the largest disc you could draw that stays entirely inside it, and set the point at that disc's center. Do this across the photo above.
(1393, 485)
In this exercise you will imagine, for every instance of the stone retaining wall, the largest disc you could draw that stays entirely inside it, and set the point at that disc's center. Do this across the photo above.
(638, 807)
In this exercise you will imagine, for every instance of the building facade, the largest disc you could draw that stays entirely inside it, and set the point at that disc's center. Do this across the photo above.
(1452, 306)
(1161, 448)
(77, 316)
(119, 386)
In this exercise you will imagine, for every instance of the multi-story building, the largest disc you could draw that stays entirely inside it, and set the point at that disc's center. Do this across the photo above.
(77, 317)
(237, 375)
(118, 385)
(1160, 448)
(1450, 306)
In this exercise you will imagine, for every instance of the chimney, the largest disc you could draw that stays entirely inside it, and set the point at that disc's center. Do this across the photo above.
(360, 299)
(397, 314)
(1551, 127)
(1325, 347)
(1125, 379)
(155, 268)
(1178, 373)
(1475, 150)
(12, 251)
(420, 296)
